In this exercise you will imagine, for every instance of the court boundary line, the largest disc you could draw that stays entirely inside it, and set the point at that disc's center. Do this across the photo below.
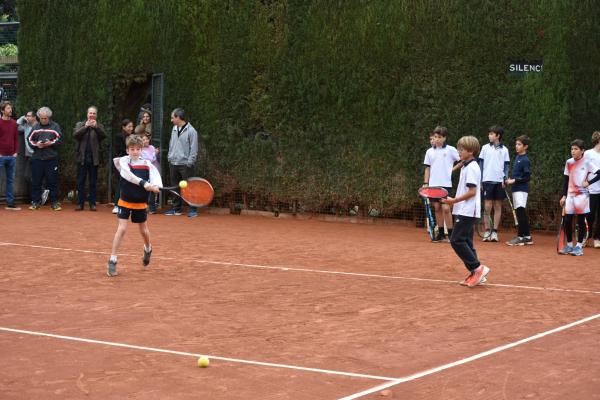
(188, 354)
(475, 357)
(319, 271)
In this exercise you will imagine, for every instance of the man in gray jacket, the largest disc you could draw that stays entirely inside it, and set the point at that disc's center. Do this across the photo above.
(88, 136)
(183, 152)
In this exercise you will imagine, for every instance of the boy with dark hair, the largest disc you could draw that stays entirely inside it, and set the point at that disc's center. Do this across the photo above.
(521, 176)
(494, 162)
(439, 161)
(466, 210)
(593, 155)
(575, 199)
(138, 177)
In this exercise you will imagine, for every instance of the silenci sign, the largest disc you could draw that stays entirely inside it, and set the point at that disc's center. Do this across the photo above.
(525, 67)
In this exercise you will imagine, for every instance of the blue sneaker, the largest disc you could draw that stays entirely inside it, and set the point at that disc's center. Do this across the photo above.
(192, 214)
(577, 251)
(566, 250)
(173, 211)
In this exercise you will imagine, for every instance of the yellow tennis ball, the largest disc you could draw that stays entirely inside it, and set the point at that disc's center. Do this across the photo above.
(182, 184)
(203, 362)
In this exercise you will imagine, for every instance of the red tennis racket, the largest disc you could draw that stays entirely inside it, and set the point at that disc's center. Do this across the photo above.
(433, 192)
(198, 192)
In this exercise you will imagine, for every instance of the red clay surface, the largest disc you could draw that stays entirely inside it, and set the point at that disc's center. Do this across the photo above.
(191, 300)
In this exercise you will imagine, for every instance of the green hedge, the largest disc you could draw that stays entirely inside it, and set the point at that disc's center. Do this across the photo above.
(326, 102)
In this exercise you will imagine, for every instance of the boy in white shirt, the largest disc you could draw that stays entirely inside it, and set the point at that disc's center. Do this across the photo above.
(466, 210)
(494, 161)
(593, 155)
(439, 160)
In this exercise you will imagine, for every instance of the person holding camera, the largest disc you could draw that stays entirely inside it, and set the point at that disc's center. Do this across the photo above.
(88, 135)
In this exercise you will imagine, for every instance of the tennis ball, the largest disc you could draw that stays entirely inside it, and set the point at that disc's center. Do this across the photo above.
(203, 362)
(182, 184)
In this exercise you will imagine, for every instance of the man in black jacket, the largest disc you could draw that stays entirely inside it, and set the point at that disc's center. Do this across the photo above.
(88, 135)
(45, 139)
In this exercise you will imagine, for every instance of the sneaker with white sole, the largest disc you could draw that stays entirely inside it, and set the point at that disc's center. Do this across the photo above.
(516, 241)
(12, 207)
(479, 274)
(596, 244)
(486, 236)
(172, 212)
(528, 240)
(111, 269)
(146, 257)
(115, 209)
(494, 237)
(577, 251)
(566, 250)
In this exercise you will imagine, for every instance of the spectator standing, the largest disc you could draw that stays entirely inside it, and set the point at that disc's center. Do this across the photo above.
(9, 146)
(183, 152)
(45, 139)
(88, 135)
(145, 126)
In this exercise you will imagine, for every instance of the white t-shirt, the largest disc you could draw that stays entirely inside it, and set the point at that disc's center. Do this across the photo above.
(494, 158)
(440, 161)
(594, 157)
(577, 171)
(470, 176)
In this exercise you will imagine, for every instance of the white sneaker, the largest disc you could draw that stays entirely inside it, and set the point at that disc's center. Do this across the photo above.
(487, 236)
(115, 210)
(596, 243)
(494, 237)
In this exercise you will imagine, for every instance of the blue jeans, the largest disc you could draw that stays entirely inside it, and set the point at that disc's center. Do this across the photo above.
(9, 163)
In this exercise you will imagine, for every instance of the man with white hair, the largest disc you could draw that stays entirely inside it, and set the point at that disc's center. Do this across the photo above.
(45, 139)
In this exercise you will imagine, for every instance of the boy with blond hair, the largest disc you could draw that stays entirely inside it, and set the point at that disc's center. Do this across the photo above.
(466, 210)
(138, 177)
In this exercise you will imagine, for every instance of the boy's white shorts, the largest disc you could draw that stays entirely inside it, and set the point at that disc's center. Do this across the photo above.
(519, 199)
(579, 204)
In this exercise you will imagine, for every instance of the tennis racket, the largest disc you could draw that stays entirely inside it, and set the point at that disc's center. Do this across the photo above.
(433, 192)
(512, 208)
(561, 240)
(198, 192)
(429, 221)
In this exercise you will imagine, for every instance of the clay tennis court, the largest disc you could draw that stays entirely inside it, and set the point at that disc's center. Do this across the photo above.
(287, 309)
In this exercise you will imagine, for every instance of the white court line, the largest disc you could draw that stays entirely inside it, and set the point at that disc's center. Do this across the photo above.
(467, 360)
(183, 353)
(316, 271)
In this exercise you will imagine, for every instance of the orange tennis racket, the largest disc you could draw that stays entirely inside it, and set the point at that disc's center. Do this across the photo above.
(198, 192)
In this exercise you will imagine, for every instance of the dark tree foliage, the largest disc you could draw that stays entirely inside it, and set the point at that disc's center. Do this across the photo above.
(327, 102)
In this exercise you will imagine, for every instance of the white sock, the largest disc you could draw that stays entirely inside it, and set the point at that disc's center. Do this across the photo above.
(570, 244)
(148, 248)
(113, 258)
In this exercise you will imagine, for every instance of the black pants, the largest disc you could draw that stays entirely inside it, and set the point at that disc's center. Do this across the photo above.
(580, 227)
(178, 173)
(594, 216)
(523, 229)
(87, 169)
(462, 241)
(41, 169)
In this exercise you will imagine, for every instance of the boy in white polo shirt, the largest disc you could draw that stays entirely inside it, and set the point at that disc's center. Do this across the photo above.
(439, 160)
(494, 166)
(466, 210)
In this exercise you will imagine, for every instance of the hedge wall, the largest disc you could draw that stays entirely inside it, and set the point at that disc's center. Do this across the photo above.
(326, 102)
